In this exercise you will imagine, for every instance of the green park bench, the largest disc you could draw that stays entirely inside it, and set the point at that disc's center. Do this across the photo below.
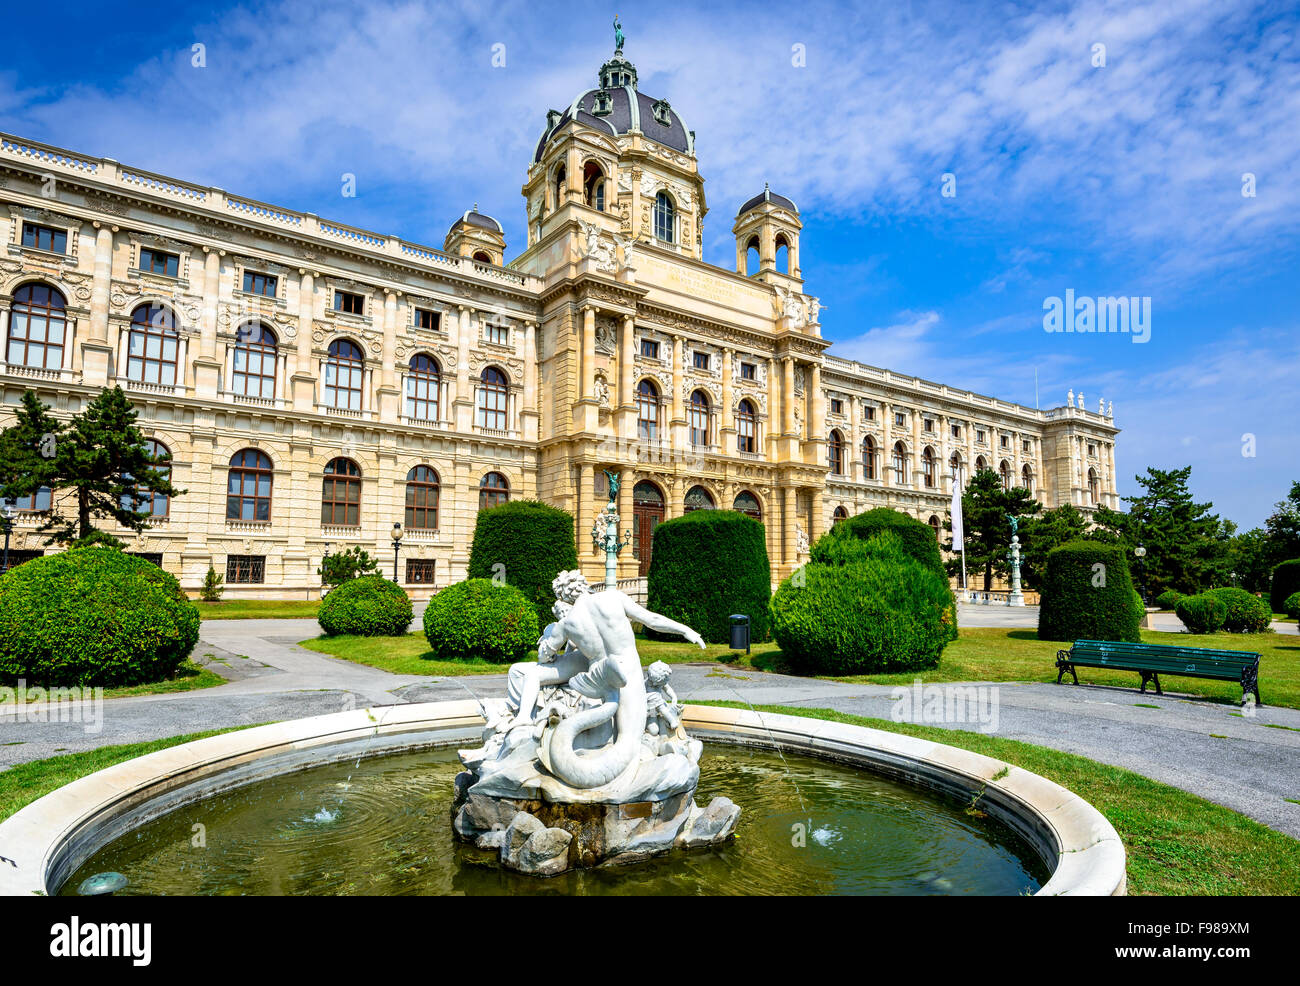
(1153, 660)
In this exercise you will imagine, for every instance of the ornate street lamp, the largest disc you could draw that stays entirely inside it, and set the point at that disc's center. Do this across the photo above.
(397, 543)
(1141, 554)
(605, 536)
(7, 522)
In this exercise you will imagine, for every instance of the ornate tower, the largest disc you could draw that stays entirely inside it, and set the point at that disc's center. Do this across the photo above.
(769, 225)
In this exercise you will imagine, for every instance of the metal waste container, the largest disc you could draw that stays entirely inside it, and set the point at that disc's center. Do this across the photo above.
(740, 632)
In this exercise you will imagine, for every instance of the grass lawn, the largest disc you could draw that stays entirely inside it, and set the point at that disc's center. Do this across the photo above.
(188, 678)
(1177, 843)
(23, 784)
(258, 609)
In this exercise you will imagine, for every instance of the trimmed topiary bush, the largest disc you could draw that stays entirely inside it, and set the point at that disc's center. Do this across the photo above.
(837, 547)
(1291, 606)
(479, 618)
(532, 542)
(1247, 613)
(706, 565)
(1202, 613)
(1088, 594)
(93, 616)
(1168, 599)
(884, 613)
(1286, 580)
(367, 606)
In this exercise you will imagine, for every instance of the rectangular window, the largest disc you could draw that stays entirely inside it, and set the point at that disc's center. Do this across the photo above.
(154, 557)
(1092, 449)
(701, 360)
(956, 431)
(748, 371)
(499, 334)
(929, 424)
(1006, 441)
(420, 571)
(263, 284)
(868, 413)
(19, 555)
(837, 406)
(979, 435)
(245, 569)
(352, 304)
(425, 319)
(649, 349)
(1025, 446)
(45, 238)
(899, 419)
(157, 262)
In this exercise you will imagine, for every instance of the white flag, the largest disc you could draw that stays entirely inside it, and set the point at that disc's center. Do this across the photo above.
(957, 532)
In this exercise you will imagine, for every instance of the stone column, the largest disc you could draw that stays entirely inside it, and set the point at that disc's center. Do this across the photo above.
(678, 417)
(787, 395)
(626, 563)
(918, 481)
(772, 425)
(855, 439)
(588, 352)
(789, 540)
(387, 394)
(205, 367)
(727, 420)
(463, 402)
(887, 444)
(97, 348)
(304, 378)
(816, 417)
(531, 413)
(584, 514)
(627, 364)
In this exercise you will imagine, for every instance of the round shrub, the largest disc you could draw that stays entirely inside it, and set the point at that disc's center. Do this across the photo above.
(527, 543)
(479, 618)
(1291, 606)
(706, 565)
(837, 547)
(881, 614)
(93, 616)
(1286, 580)
(1168, 599)
(367, 606)
(1247, 613)
(1202, 613)
(1087, 594)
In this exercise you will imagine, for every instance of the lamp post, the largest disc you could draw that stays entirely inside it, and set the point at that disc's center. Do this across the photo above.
(1141, 553)
(7, 522)
(397, 543)
(605, 536)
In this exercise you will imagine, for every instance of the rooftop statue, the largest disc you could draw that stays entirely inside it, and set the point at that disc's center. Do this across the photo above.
(618, 36)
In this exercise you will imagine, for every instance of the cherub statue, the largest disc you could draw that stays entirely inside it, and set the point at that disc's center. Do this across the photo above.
(660, 700)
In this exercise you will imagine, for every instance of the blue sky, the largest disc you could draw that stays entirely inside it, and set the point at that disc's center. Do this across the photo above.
(1122, 178)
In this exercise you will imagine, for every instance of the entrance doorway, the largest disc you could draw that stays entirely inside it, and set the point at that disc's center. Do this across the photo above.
(647, 512)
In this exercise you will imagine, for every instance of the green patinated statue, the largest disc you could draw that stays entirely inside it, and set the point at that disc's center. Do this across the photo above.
(613, 484)
(618, 35)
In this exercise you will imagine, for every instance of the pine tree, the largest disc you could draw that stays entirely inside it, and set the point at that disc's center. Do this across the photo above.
(28, 450)
(1283, 528)
(985, 506)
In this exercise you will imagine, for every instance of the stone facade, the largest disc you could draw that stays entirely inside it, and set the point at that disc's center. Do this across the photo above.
(539, 363)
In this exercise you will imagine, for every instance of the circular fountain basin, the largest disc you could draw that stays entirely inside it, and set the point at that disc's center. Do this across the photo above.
(848, 810)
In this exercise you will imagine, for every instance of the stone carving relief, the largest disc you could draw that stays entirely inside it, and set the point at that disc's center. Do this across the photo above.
(606, 335)
(598, 250)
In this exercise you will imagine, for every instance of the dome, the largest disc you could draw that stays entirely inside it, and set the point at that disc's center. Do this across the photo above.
(617, 107)
(768, 195)
(473, 217)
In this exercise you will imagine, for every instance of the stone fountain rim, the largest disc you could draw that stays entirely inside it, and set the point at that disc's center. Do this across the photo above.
(46, 841)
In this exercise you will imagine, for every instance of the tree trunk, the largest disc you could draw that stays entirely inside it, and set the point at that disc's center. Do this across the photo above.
(988, 575)
(83, 512)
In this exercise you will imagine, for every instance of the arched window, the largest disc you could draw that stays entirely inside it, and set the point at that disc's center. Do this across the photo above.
(699, 418)
(753, 259)
(253, 361)
(869, 458)
(482, 257)
(493, 399)
(152, 345)
(665, 218)
(1094, 486)
(900, 464)
(747, 504)
(593, 186)
(1027, 478)
(937, 526)
(647, 410)
(344, 370)
(422, 499)
(782, 254)
(647, 513)
(839, 515)
(954, 464)
(927, 466)
(698, 498)
(144, 501)
(248, 486)
(423, 385)
(1004, 471)
(980, 464)
(746, 427)
(38, 322)
(835, 452)
(340, 498)
(493, 490)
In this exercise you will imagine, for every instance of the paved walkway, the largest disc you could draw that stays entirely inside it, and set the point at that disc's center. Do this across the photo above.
(1249, 764)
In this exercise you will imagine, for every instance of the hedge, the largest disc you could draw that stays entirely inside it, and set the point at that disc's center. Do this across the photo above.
(1286, 580)
(1202, 613)
(93, 616)
(1087, 594)
(367, 606)
(1291, 606)
(1168, 599)
(479, 618)
(527, 543)
(884, 613)
(838, 545)
(1246, 613)
(707, 565)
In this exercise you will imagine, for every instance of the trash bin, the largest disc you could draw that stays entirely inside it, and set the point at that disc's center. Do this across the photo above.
(740, 632)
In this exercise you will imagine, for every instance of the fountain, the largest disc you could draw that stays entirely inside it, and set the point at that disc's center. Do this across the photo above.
(586, 761)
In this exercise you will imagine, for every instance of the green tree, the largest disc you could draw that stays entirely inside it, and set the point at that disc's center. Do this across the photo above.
(97, 466)
(1039, 535)
(1186, 544)
(985, 507)
(344, 566)
(1283, 527)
